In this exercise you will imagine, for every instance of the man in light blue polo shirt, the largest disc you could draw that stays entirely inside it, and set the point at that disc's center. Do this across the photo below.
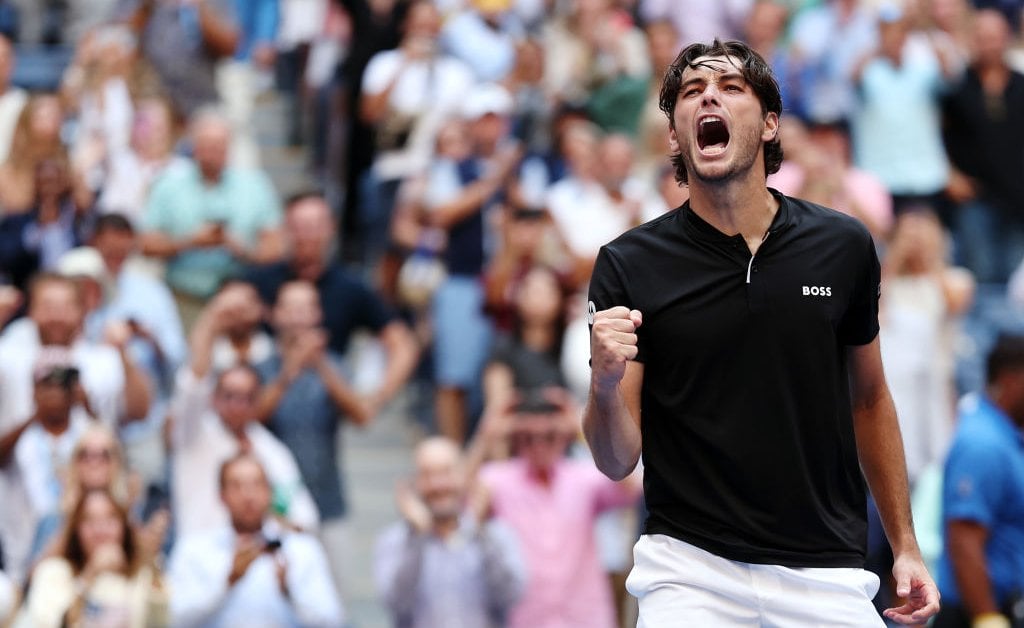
(207, 218)
(981, 574)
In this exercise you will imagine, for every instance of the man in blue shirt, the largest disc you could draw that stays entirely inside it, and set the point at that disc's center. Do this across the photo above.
(982, 569)
(304, 403)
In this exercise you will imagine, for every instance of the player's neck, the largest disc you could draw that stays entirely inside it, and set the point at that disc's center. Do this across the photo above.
(744, 207)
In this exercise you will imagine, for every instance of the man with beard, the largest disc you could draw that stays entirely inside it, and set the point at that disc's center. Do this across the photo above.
(744, 328)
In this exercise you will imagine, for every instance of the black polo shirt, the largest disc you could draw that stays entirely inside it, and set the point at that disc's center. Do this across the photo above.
(748, 441)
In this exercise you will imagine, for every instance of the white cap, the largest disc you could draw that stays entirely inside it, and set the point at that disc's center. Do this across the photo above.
(485, 99)
(83, 261)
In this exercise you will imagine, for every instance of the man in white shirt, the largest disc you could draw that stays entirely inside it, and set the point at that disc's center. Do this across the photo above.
(255, 571)
(213, 419)
(34, 455)
(115, 388)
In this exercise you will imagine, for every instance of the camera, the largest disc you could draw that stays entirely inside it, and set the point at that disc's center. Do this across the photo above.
(64, 376)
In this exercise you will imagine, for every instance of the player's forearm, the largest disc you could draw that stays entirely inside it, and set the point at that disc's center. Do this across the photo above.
(880, 450)
(612, 432)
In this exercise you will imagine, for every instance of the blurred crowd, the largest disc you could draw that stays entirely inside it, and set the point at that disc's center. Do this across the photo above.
(179, 348)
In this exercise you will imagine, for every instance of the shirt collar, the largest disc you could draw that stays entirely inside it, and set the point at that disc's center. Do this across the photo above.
(700, 228)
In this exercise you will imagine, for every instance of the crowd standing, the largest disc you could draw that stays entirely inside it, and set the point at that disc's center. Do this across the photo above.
(176, 369)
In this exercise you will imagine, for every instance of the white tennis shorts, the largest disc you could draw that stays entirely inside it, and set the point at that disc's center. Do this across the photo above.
(678, 584)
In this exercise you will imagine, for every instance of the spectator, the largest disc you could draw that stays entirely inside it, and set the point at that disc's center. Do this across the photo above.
(528, 241)
(208, 219)
(12, 99)
(984, 130)
(420, 194)
(346, 302)
(116, 389)
(922, 300)
(95, 463)
(34, 455)
(304, 402)
(552, 503)
(242, 339)
(652, 129)
(981, 573)
(483, 36)
(817, 168)
(97, 89)
(137, 298)
(699, 20)
(765, 30)
(36, 138)
(406, 93)
(533, 110)
(896, 125)
(444, 564)
(831, 37)
(214, 417)
(462, 331)
(596, 58)
(56, 223)
(102, 574)
(130, 173)
(184, 41)
(584, 213)
(254, 570)
(526, 361)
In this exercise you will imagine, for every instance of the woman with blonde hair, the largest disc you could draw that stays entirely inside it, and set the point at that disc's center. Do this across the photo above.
(101, 575)
(37, 138)
(97, 463)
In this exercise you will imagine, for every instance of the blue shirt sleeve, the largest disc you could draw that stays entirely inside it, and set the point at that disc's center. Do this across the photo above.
(973, 484)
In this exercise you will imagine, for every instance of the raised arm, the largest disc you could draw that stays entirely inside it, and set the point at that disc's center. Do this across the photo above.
(880, 450)
(611, 420)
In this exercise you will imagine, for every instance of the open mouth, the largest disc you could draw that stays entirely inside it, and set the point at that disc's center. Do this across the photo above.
(712, 135)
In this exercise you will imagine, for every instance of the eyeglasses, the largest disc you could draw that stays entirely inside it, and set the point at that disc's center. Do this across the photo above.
(102, 455)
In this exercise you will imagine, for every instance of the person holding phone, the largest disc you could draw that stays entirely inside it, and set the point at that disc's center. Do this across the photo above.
(257, 571)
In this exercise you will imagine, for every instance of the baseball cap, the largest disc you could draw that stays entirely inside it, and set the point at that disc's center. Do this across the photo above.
(485, 99)
(54, 362)
(84, 261)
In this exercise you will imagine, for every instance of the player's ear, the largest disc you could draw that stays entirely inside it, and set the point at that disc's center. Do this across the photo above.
(771, 127)
(673, 141)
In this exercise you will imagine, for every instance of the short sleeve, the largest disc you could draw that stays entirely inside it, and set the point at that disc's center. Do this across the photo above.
(859, 324)
(154, 216)
(379, 72)
(608, 290)
(972, 485)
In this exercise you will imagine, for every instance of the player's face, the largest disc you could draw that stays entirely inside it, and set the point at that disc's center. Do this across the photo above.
(720, 128)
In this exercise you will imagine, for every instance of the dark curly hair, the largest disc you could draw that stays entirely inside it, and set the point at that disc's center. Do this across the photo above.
(756, 72)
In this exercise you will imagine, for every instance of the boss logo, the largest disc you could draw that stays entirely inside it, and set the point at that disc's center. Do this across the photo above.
(817, 291)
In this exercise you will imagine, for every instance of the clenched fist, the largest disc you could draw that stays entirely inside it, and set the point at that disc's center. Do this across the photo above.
(612, 344)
